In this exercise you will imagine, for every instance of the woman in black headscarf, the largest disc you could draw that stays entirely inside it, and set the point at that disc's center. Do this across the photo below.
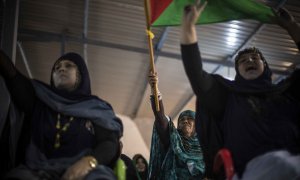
(141, 166)
(250, 116)
(73, 133)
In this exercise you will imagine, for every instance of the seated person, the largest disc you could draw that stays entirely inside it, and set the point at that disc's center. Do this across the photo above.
(73, 133)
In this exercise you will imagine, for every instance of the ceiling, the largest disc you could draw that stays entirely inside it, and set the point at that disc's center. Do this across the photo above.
(110, 35)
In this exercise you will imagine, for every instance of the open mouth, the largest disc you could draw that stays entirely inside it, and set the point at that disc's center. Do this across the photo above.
(250, 68)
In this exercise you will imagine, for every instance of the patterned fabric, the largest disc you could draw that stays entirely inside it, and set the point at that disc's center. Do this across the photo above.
(187, 113)
(182, 160)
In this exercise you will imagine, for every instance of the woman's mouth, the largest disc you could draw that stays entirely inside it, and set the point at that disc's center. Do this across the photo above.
(250, 68)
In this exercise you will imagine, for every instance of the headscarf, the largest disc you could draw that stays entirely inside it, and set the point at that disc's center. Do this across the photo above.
(183, 158)
(263, 81)
(260, 85)
(83, 90)
(188, 113)
(78, 103)
(141, 175)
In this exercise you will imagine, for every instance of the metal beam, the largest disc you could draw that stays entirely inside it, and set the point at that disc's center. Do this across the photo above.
(25, 60)
(182, 103)
(10, 28)
(63, 44)
(278, 79)
(257, 30)
(85, 29)
(40, 36)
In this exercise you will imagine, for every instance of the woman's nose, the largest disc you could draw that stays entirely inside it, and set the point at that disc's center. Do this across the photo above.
(62, 68)
(249, 60)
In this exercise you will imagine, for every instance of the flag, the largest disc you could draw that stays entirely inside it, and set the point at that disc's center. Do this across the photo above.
(169, 12)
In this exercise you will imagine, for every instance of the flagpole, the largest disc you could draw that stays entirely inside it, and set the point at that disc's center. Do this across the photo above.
(150, 36)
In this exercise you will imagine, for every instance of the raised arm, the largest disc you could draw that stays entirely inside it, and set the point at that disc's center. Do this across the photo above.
(161, 120)
(200, 80)
(19, 86)
(288, 22)
(207, 89)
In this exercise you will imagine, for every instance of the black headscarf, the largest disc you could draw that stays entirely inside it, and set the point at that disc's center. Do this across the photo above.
(260, 85)
(265, 79)
(141, 175)
(83, 90)
(78, 103)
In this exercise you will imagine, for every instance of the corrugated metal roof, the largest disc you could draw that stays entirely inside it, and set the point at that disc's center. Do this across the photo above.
(117, 49)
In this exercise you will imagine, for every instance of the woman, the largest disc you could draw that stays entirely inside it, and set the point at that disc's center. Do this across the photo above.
(73, 133)
(175, 153)
(141, 166)
(256, 120)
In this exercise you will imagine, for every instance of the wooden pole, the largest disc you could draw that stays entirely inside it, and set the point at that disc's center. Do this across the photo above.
(152, 65)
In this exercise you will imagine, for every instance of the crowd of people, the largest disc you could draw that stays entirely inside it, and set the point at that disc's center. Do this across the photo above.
(65, 132)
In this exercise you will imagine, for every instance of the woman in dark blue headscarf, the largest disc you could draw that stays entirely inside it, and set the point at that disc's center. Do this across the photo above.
(73, 132)
(250, 116)
(175, 153)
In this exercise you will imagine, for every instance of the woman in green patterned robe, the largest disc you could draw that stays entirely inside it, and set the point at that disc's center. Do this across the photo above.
(175, 153)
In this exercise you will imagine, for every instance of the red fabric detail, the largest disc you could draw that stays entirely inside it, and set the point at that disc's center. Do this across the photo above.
(157, 7)
(223, 157)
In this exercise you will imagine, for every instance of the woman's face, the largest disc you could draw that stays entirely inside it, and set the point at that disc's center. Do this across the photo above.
(250, 66)
(140, 165)
(186, 125)
(65, 75)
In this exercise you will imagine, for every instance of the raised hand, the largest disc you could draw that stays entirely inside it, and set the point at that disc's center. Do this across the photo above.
(152, 78)
(192, 12)
(284, 18)
(190, 16)
(287, 21)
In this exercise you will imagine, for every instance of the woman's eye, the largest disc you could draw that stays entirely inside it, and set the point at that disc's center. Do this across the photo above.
(69, 65)
(242, 61)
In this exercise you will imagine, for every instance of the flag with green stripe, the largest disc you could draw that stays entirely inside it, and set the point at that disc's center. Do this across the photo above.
(169, 12)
